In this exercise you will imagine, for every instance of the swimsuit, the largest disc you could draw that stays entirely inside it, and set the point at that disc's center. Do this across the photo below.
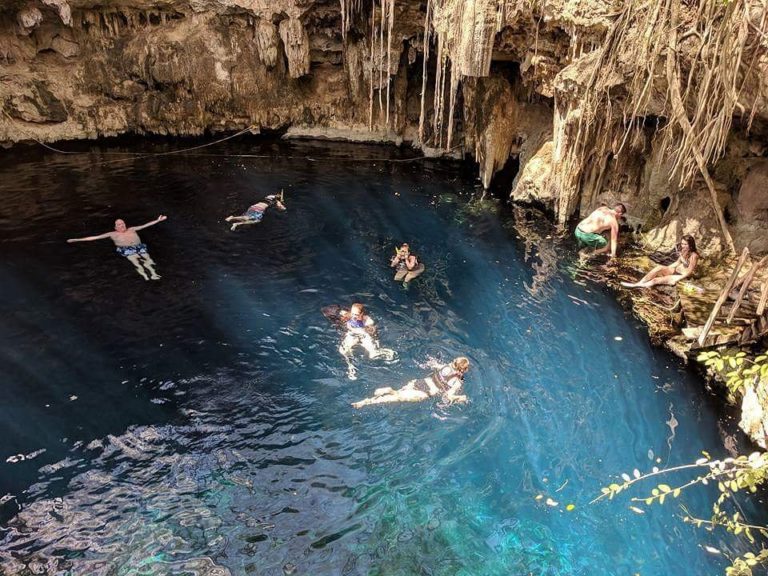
(353, 324)
(422, 386)
(590, 239)
(403, 263)
(254, 214)
(131, 250)
(443, 382)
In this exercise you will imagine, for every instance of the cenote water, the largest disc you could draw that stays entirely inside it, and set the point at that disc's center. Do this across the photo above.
(202, 424)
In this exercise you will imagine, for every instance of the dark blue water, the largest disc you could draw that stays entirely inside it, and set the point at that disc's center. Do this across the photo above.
(202, 424)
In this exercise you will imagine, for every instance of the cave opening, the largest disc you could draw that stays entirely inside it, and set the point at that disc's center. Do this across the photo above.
(501, 184)
(664, 204)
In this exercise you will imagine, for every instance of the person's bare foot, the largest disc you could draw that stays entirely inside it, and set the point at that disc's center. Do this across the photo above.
(229, 218)
(234, 227)
(156, 277)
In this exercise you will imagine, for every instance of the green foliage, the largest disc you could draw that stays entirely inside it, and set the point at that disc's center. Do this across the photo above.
(730, 475)
(737, 370)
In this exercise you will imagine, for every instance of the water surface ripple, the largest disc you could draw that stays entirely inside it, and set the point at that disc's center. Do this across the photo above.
(202, 424)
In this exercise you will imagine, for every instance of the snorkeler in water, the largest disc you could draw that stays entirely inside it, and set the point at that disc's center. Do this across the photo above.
(129, 245)
(407, 265)
(255, 213)
(446, 382)
(360, 331)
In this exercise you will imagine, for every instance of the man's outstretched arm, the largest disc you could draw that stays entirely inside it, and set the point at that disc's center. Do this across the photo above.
(152, 223)
(89, 238)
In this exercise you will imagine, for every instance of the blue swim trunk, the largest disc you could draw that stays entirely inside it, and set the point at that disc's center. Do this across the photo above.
(132, 250)
(254, 215)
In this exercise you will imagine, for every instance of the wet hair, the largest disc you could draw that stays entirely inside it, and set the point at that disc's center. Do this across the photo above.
(271, 199)
(357, 305)
(623, 208)
(461, 364)
(405, 245)
(691, 242)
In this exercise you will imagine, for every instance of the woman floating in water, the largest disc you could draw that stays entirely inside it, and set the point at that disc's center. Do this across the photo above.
(129, 245)
(255, 213)
(360, 331)
(670, 275)
(407, 265)
(445, 381)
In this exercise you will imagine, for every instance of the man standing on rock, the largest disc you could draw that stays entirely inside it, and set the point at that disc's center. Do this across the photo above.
(129, 245)
(590, 231)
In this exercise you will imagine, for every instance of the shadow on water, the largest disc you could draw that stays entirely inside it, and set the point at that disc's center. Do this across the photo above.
(202, 424)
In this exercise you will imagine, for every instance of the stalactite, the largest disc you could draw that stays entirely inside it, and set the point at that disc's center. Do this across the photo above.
(390, 23)
(445, 63)
(452, 105)
(344, 19)
(381, 56)
(438, 78)
(372, 41)
(424, 71)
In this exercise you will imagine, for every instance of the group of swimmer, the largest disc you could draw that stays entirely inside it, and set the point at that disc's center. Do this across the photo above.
(359, 328)
(591, 233)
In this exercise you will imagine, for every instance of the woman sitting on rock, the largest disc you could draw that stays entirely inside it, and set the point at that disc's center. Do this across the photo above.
(445, 381)
(670, 275)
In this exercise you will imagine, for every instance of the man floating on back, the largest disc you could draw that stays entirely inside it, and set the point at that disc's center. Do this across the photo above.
(129, 244)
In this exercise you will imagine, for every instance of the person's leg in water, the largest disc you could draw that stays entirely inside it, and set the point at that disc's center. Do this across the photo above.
(236, 218)
(149, 264)
(372, 347)
(345, 349)
(244, 223)
(415, 273)
(656, 272)
(135, 259)
(400, 274)
(406, 394)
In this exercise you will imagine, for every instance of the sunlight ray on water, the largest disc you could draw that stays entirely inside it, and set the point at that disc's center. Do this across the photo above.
(202, 424)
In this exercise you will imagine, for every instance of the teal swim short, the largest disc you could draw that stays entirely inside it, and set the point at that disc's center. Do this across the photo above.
(591, 239)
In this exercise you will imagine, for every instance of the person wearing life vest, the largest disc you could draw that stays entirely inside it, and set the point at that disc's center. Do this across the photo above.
(407, 265)
(446, 382)
(255, 213)
(360, 331)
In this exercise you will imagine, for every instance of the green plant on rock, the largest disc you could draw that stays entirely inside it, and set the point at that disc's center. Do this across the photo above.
(737, 370)
(730, 475)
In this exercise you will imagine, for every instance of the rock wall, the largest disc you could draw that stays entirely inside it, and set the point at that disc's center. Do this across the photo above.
(496, 79)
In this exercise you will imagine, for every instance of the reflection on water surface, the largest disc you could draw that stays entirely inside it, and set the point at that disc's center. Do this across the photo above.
(202, 424)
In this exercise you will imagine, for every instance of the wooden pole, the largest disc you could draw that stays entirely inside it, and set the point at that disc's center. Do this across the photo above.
(763, 298)
(744, 287)
(722, 298)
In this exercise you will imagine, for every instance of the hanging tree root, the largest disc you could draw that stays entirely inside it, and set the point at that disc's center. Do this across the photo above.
(718, 45)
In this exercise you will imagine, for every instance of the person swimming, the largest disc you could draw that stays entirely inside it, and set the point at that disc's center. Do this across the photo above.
(407, 265)
(360, 331)
(670, 275)
(446, 381)
(129, 245)
(255, 213)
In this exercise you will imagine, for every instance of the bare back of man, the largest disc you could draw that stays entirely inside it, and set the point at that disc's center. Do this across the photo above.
(590, 231)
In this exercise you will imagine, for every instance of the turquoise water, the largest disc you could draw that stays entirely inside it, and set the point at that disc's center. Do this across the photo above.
(202, 424)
